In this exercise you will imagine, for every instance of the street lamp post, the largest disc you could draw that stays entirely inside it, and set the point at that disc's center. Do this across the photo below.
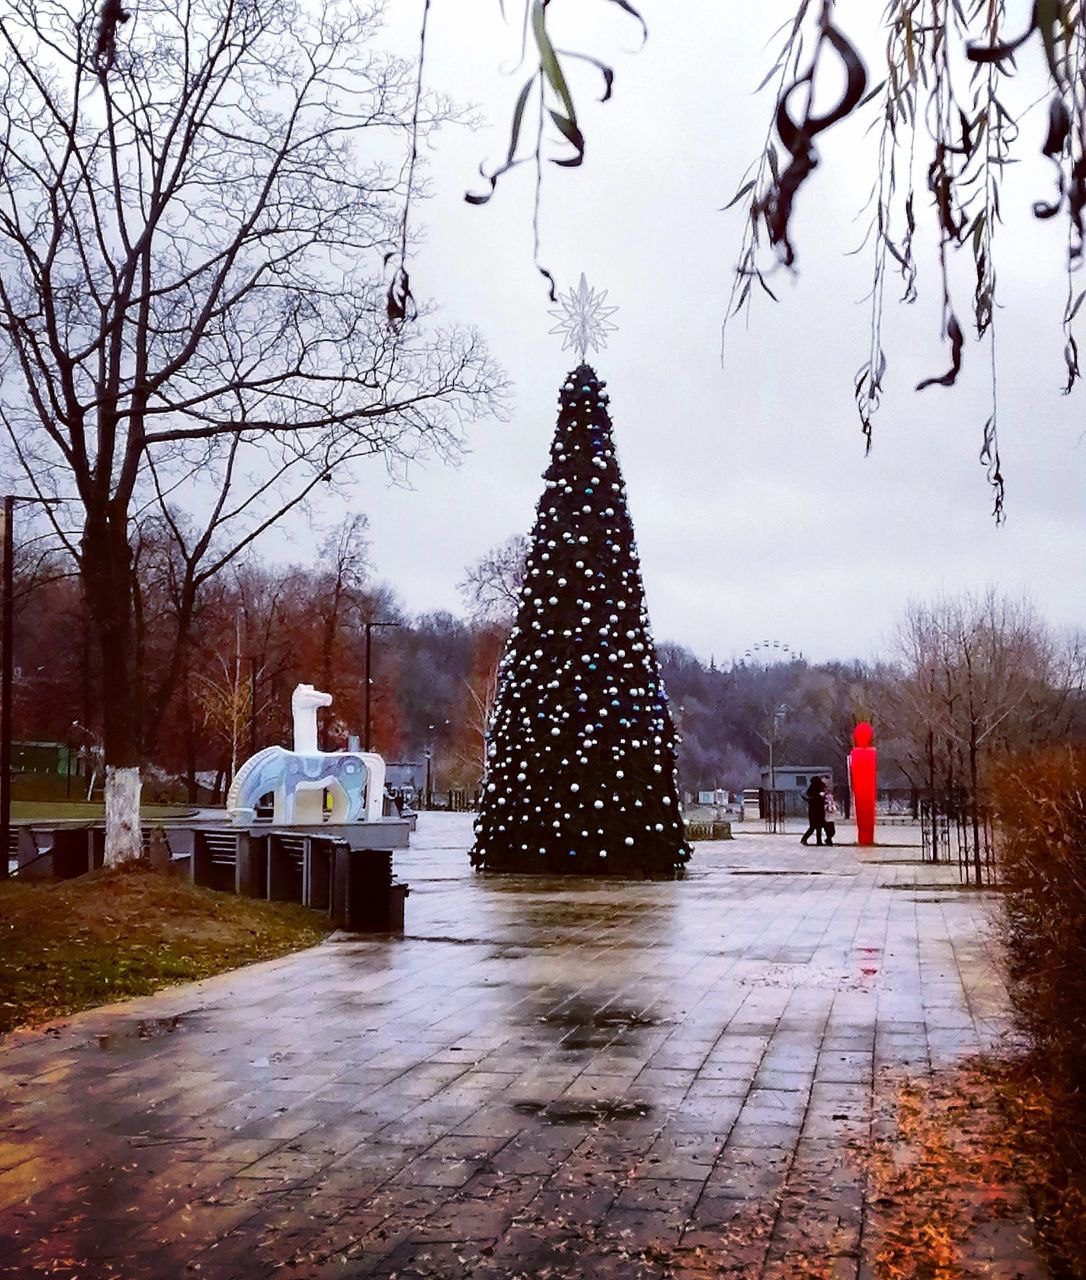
(7, 672)
(432, 728)
(772, 726)
(369, 683)
(778, 715)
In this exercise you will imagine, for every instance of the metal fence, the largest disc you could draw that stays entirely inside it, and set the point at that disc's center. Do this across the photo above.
(957, 826)
(773, 806)
(457, 800)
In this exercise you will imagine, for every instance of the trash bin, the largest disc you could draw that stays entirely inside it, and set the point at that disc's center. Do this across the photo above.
(365, 899)
(397, 897)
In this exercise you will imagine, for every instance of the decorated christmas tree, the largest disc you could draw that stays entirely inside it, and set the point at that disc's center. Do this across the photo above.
(580, 771)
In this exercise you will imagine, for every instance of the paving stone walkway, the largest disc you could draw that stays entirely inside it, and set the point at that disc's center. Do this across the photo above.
(541, 1078)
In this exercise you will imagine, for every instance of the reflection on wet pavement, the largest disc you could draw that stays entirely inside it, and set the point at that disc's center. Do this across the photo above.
(539, 1078)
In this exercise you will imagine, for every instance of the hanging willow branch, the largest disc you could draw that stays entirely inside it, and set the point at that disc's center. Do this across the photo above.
(765, 169)
(899, 93)
(969, 133)
(400, 302)
(557, 116)
(932, 107)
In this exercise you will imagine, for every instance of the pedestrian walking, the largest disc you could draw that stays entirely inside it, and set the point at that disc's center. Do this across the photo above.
(830, 822)
(815, 795)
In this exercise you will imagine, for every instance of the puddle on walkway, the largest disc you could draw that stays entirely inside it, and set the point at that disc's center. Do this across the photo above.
(917, 886)
(129, 1034)
(449, 938)
(573, 915)
(511, 951)
(584, 1112)
(789, 871)
(593, 1024)
(802, 974)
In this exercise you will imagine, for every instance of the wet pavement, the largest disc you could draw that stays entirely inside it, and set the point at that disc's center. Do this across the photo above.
(540, 1078)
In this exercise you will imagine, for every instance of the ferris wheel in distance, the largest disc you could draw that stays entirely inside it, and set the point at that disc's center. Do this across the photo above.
(764, 653)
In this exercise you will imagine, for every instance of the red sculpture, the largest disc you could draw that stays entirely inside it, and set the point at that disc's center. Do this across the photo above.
(862, 772)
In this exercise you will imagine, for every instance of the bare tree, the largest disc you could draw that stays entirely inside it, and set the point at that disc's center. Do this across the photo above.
(837, 696)
(195, 204)
(225, 698)
(469, 739)
(342, 572)
(982, 675)
(491, 586)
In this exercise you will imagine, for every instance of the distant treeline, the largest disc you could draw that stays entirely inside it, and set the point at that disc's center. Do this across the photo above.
(1004, 683)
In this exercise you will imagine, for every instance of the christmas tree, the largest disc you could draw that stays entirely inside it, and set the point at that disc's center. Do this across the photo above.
(581, 753)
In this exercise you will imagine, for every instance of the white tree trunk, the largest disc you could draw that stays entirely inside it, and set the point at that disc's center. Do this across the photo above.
(123, 842)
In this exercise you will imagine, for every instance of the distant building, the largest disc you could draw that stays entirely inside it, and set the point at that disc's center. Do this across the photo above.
(43, 757)
(405, 775)
(793, 780)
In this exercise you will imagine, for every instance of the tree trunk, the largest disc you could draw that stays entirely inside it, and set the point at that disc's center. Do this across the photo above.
(123, 837)
(974, 801)
(933, 794)
(107, 580)
(190, 758)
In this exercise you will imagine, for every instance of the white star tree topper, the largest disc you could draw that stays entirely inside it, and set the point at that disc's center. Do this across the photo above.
(583, 318)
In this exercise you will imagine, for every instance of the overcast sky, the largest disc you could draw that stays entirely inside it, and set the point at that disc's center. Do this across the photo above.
(757, 514)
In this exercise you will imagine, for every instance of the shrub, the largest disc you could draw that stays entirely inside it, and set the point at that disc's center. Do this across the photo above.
(1040, 806)
(1040, 809)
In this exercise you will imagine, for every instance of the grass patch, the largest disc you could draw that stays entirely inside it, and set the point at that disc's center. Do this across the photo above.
(90, 810)
(73, 944)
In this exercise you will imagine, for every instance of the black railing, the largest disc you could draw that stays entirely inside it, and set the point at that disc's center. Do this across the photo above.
(957, 826)
(457, 800)
(773, 806)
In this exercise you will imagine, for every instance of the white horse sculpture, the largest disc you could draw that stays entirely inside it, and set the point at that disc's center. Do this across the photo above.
(298, 779)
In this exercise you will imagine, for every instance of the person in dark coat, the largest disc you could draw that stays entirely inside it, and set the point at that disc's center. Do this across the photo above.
(815, 795)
